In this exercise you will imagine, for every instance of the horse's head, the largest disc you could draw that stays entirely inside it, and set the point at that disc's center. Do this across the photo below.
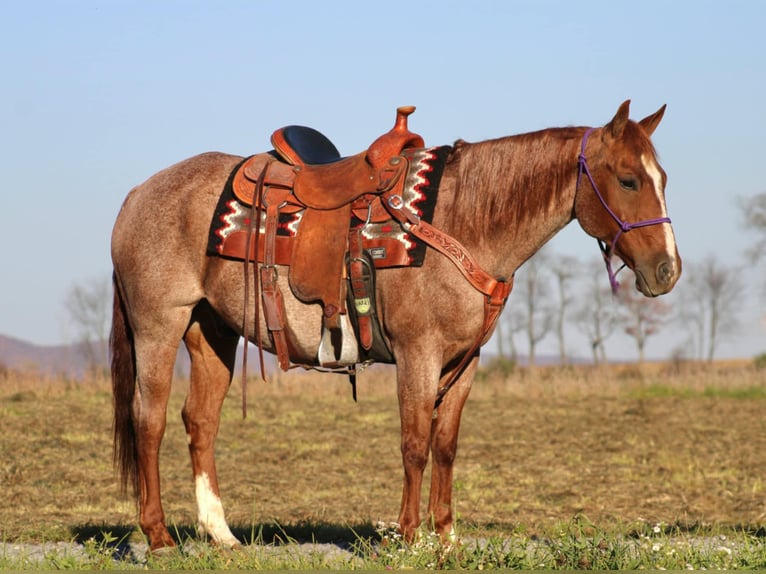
(620, 200)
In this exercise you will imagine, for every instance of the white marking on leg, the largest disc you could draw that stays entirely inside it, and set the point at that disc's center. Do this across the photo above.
(651, 167)
(210, 513)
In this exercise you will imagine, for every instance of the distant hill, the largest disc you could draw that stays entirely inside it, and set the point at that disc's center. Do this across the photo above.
(55, 360)
(70, 360)
(48, 360)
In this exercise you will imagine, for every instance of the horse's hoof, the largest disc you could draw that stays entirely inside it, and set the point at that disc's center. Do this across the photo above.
(229, 547)
(161, 551)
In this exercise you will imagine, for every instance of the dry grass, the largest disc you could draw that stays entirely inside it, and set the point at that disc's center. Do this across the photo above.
(673, 444)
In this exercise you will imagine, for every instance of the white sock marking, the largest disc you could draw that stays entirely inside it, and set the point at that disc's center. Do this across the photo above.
(210, 513)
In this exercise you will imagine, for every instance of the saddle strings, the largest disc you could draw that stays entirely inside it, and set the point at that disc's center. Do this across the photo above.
(253, 226)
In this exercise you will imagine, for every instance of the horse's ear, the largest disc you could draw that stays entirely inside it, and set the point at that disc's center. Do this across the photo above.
(650, 123)
(620, 119)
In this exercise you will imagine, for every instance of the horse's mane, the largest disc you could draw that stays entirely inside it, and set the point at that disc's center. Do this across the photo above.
(499, 180)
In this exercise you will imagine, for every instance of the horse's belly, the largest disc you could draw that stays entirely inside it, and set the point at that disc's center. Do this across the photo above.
(225, 291)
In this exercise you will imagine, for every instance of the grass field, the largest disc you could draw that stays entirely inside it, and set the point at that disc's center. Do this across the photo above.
(604, 455)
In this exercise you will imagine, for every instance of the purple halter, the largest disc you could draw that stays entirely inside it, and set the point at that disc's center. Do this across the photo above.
(608, 250)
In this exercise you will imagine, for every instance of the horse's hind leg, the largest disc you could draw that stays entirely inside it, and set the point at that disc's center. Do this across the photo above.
(212, 348)
(155, 358)
(444, 437)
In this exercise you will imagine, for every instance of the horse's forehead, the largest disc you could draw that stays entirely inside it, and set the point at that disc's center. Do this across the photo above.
(634, 149)
(635, 141)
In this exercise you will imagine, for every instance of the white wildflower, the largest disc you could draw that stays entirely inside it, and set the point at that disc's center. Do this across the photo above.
(724, 550)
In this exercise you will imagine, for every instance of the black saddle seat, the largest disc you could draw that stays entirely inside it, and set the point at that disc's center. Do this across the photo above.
(312, 146)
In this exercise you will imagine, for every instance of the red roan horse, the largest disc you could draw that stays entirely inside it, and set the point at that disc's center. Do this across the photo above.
(502, 199)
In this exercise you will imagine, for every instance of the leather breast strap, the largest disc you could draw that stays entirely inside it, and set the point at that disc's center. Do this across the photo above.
(495, 291)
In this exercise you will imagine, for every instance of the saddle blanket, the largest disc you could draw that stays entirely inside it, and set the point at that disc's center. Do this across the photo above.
(387, 243)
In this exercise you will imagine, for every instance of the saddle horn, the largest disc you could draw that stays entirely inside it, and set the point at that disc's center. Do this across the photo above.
(392, 143)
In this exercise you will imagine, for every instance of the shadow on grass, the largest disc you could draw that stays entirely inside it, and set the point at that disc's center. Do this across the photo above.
(344, 535)
(306, 532)
(118, 538)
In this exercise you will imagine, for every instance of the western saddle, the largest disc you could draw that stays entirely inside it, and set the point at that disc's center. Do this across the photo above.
(305, 173)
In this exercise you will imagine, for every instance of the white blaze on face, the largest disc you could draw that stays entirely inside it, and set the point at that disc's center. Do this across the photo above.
(653, 170)
(210, 513)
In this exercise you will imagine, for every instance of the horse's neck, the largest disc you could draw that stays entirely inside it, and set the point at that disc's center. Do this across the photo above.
(508, 197)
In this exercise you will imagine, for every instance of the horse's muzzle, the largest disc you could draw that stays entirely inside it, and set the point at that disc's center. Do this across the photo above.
(658, 279)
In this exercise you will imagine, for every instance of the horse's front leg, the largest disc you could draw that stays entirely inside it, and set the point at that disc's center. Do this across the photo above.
(212, 350)
(444, 438)
(417, 392)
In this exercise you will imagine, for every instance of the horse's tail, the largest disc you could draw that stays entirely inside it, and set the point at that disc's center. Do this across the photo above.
(123, 390)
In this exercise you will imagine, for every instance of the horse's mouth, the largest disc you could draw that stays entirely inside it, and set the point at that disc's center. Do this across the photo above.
(642, 285)
(663, 280)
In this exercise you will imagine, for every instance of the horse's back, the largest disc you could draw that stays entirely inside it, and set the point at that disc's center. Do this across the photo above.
(160, 236)
(170, 212)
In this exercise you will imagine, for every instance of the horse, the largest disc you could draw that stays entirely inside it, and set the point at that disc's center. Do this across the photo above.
(501, 199)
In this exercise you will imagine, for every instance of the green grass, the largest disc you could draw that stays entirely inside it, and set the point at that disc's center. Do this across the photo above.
(660, 390)
(667, 465)
(575, 545)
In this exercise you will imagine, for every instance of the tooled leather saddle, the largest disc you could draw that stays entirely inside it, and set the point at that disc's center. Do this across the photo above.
(306, 174)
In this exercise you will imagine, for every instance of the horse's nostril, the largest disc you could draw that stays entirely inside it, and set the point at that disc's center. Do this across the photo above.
(664, 273)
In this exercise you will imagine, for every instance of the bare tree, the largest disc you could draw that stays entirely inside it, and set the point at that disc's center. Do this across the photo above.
(507, 326)
(595, 316)
(754, 211)
(644, 317)
(531, 308)
(715, 296)
(690, 315)
(563, 269)
(88, 307)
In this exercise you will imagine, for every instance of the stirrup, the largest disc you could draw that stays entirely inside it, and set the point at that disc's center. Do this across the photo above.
(349, 352)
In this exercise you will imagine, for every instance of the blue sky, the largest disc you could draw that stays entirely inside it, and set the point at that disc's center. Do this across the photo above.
(97, 96)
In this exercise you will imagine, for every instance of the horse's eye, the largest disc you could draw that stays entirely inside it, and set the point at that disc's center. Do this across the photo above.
(629, 183)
